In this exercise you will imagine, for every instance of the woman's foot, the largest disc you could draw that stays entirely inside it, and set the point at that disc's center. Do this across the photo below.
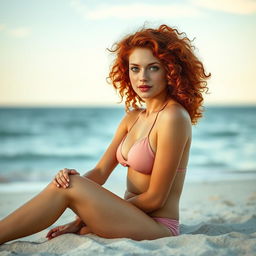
(72, 227)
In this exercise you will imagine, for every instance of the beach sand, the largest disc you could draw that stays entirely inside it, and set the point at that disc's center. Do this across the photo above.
(217, 218)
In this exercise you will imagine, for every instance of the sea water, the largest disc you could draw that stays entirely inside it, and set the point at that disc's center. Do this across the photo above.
(37, 142)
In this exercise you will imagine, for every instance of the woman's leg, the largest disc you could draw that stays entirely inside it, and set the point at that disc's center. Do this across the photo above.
(37, 214)
(106, 214)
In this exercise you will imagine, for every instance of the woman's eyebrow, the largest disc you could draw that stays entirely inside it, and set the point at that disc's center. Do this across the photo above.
(134, 64)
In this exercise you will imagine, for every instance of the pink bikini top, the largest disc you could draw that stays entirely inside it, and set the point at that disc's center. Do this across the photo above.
(140, 156)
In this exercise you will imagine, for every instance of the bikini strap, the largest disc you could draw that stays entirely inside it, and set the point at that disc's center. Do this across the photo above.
(135, 120)
(156, 118)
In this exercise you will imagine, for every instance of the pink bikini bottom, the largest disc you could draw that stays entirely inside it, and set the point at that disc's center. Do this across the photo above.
(172, 225)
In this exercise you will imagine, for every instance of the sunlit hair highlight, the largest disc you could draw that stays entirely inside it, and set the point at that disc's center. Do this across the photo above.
(185, 72)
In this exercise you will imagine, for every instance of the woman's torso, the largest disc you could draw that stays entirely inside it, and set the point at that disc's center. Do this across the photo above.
(138, 182)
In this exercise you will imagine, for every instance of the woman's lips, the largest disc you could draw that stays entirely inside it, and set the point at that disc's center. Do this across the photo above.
(144, 88)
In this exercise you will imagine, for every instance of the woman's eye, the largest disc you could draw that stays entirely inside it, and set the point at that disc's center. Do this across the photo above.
(154, 68)
(134, 69)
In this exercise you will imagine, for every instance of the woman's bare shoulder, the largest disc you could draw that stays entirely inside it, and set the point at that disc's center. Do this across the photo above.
(128, 119)
(175, 114)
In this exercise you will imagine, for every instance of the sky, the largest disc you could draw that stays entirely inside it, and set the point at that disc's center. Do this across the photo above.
(54, 53)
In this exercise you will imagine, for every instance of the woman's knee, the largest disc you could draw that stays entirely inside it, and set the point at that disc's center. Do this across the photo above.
(79, 184)
(76, 180)
(69, 191)
(53, 187)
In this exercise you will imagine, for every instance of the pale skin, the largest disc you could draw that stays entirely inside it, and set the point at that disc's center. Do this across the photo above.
(98, 210)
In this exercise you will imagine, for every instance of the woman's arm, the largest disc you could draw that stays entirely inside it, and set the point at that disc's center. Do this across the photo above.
(173, 132)
(104, 167)
(108, 161)
(128, 195)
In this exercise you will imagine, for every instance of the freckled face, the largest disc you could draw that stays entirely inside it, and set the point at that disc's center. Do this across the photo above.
(147, 74)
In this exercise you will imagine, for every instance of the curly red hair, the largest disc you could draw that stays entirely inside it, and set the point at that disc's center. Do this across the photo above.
(185, 73)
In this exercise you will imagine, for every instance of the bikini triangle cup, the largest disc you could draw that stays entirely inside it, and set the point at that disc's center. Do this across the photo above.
(140, 156)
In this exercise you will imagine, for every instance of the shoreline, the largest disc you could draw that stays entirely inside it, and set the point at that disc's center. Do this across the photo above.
(217, 218)
(37, 186)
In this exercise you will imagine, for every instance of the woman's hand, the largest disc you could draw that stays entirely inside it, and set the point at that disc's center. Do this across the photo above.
(76, 227)
(62, 177)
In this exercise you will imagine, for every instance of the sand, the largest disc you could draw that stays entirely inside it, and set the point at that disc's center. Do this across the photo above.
(217, 218)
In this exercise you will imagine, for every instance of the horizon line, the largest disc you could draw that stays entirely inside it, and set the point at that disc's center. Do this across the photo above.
(118, 105)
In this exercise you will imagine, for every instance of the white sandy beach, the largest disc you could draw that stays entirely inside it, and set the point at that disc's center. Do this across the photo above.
(217, 218)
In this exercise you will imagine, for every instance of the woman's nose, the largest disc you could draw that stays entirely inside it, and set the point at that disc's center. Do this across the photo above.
(143, 75)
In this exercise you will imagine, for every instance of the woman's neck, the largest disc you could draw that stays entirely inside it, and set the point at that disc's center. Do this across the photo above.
(155, 105)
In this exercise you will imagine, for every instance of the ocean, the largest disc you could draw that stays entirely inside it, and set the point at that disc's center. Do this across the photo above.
(37, 142)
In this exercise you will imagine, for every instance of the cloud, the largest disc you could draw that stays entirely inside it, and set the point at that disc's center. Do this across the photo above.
(19, 32)
(143, 10)
(2, 27)
(231, 6)
(184, 9)
(137, 10)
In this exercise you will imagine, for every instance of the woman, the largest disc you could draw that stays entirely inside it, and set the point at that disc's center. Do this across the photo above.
(156, 67)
